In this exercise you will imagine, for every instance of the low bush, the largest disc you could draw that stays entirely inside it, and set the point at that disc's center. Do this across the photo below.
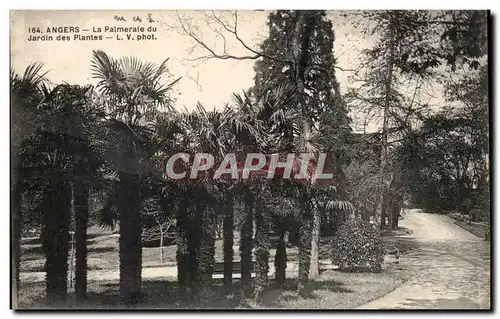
(459, 216)
(357, 247)
(480, 215)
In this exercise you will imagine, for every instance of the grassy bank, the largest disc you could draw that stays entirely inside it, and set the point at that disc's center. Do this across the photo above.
(479, 229)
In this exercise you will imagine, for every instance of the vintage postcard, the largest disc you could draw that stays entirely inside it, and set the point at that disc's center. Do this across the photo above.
(289, 159)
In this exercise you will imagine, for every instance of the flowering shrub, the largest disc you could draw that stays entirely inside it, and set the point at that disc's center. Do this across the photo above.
(358, 247)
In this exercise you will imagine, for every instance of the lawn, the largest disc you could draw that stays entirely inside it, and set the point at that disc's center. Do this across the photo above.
(103, 251)
(103, 254)
(332, 290)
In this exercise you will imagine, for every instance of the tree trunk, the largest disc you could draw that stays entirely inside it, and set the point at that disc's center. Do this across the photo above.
(316, 224)
(182, 254)
(129, 206)
(16, 237)
(390, 214)
(194, 242)
(228, 225)
(328, 227)
(395, 216)
(18, 129)
(383, 220)
(390, 221)
(303, 32)
(262, 247)
(246, 245)
(365, 215)
(395, 220)
(57, 204)
(383, 151)
(207, 248)
(161, 245)
(304, 253)
(280, 258)
(81, 222)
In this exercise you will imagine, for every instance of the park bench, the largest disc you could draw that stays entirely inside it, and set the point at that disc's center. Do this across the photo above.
(219, 268)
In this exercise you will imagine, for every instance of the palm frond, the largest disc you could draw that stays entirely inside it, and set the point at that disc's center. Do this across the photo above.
(340, 205)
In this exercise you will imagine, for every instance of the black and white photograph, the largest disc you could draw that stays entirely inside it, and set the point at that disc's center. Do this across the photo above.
(250, 159)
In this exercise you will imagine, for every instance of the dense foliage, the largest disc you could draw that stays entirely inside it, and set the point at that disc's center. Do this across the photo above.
(447, 158)
(357, 246)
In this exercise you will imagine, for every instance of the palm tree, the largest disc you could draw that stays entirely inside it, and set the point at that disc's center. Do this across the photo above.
(291, 133)
(56, 154)
(244, 133)
(81, 197)
(305, 237)
(246, 242)
(327, 202)
(176, 135)
(280, 258)
(228, 241)
(50, 160)
(252, 114)
(209, 137)
(262, 242)
(26, 93)
(178, 194)
(216, 133)
(281, 124)
(172, 132)
(182, 254)
(44, 166)
(56, 243)
(214, 136)
(87, 175)
(133, 93)
(285, 213)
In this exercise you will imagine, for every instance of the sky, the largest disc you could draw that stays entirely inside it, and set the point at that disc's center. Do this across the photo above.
(70, 61)
(211, 82)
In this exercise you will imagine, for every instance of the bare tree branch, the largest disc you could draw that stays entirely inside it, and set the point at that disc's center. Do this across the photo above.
(232, 29)
(187, 29)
